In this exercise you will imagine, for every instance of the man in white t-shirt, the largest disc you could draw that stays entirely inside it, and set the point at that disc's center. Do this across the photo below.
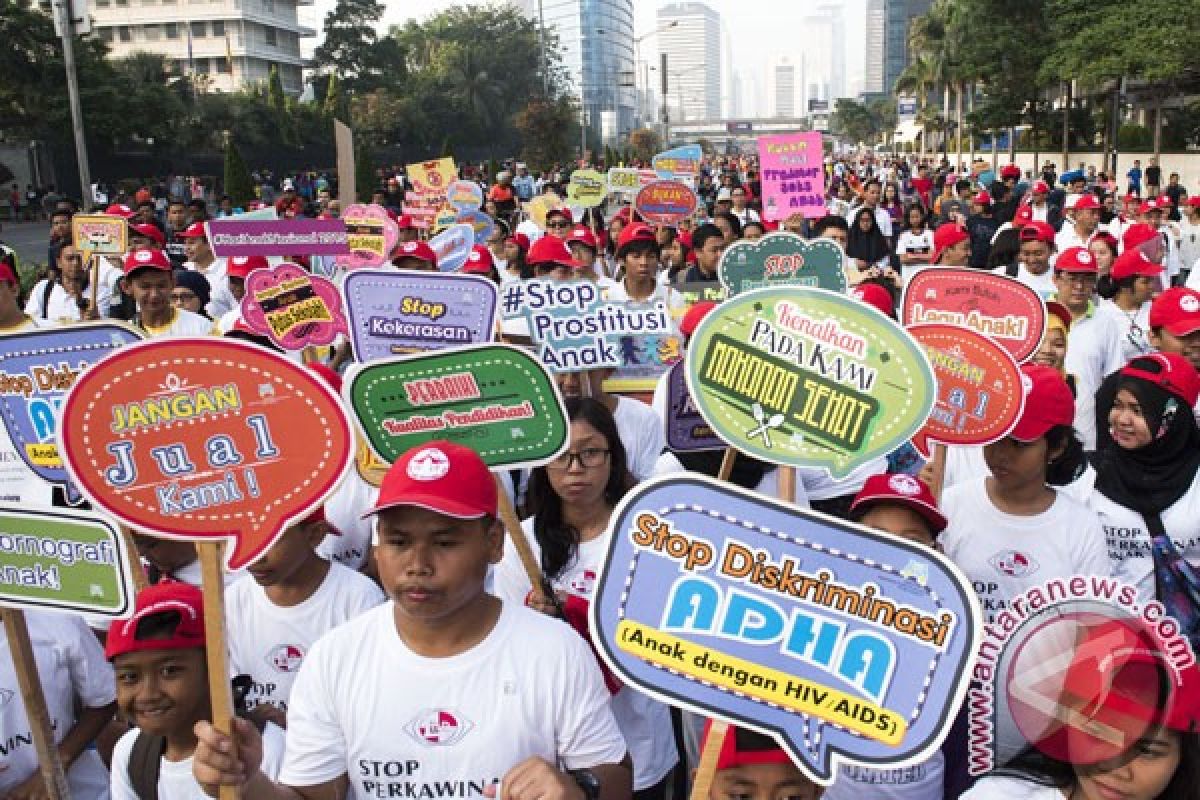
(1033, 265)
(739, 209)
(446, 691)
(1082, 220)
(200, 259)
(149, 279)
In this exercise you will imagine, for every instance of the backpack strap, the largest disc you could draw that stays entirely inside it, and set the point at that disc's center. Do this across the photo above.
(145, 761)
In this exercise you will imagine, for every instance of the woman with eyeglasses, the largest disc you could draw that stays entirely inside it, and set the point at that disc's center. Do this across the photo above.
(572, 499)
(191, 292)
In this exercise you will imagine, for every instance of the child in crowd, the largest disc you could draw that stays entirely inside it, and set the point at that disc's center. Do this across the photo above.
(752, 766)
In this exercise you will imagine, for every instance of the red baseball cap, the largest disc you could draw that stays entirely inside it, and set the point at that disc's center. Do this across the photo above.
(875, 296)
(563, 212)
(551, 250)
(1193, 201)
(193, 231)
(1169, 371)
(1037, 232)
(1178, 310)
(167, 597)
(1040, 187)
(520, 240)
(583, 235)
(947, 235)
(1048, 403)
(903, 490)
(694, 316)
(1134, 262)
(439, 476)
(404, 221)
(1076, 259)
(479, 261)
(8, 274)
(625, 215)
(119, 210)
(150, 232)
(983, 199)
(633, 233)
(146, 258)
(241, 266)
(1023, 216)
(1150, 204)
(1087, 201)
(1138, 234)
(1010, 171)
(417, 249)
(732, 756)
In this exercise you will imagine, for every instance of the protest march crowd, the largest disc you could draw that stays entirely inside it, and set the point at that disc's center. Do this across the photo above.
(392, 644)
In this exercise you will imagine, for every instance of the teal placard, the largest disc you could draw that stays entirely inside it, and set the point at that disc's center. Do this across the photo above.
(782, 259)
(808, 377)
(63, 561)
(496, 399)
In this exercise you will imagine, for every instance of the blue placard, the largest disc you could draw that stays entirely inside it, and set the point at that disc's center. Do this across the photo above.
(37, 367)
(843, 643)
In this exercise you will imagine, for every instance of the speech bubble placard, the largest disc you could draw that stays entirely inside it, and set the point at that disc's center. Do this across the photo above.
(587, 188)
(682, 160)
(994, 305)
(843, 643)
(979, 394)
(102, 234)
(686, 429)
(205, 438)
(494, 398)
(782, 259)
(665, 203)
(808, 377)
(57, 560)
(293, 308)
(481, 223)
(464, 195)
(452, 246)
(400, 311)
(371, 235)
(37, 368)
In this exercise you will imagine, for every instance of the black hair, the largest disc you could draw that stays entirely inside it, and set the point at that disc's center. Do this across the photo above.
(755, 223)
(176, 201)
(1006, 249)
(704, 233)
(1067, 467)
(830, 221)
(869, 182)
(160, 625)
(960, 185)
(558, 540)
(1108, 288)
(734, 223)
(908, 212)
(747, 741)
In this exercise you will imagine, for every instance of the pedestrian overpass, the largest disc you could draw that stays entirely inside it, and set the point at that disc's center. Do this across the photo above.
(738, 132)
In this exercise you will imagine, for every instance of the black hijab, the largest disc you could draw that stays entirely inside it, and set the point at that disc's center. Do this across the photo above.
(870, 245)
(1151, 478)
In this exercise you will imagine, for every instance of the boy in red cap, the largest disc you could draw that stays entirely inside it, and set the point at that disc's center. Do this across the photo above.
(951, 246)
(149, 280)
(1082, 220)
(158, 655)
(752, 766)
(1035, 255)
(1175, 323)
(414, 255)
(428, 691)
(638, 253)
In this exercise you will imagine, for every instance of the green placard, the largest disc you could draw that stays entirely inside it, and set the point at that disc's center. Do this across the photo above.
(808, 377)
(782, 259)
(496, 399)
(62, 561)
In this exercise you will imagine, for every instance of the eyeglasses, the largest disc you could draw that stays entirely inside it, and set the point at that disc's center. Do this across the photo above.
(588, 458)
(546, 269)
(558, 223)
(1079, 278)
(182, 297)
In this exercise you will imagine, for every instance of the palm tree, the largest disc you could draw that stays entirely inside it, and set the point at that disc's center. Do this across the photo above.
(474, 85)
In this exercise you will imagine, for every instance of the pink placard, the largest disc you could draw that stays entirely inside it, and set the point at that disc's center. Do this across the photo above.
(793, 175)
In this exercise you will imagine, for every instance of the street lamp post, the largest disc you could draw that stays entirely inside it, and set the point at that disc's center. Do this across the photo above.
(637, 57)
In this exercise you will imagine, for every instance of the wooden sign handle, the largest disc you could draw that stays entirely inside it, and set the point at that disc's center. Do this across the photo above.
(512, 525)
(49, 763)
(787, 484)
(937, 471)
(220, 692)
(135, 559)
(727, 460)
(93, 264)
(706, 770)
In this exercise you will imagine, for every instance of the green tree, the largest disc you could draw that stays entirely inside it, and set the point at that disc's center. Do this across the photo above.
(853, 121)
(275, 96)
(549, 129)
(332, 103)
(645, 143)
(354, 51)
(238, 183)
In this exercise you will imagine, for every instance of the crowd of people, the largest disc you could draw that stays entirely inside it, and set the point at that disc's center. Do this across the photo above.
(391, 645)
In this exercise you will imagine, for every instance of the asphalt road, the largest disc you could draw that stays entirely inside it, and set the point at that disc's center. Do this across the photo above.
(28, 239)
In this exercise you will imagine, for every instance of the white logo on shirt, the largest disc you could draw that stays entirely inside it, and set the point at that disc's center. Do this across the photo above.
(428, 465)
(585, 582)
(1014, 564)
(1189, 304)
(437, 728)
(286, 658)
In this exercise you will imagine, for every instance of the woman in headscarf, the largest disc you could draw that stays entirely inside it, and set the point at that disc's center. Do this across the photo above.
(870, 251)
(1147, 489)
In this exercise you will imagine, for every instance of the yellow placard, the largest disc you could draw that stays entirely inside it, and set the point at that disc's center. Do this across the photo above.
(103, 234)
(433, 177)
(44, 455)
(761, 683)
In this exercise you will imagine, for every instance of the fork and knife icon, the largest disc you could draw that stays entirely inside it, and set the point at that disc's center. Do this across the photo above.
(765, 424)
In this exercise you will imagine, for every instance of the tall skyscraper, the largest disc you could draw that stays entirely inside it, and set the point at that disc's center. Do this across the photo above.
(875, 47)
(900, 14)
(690, 36)
(785, 82)
(596, 43)
(234, 43)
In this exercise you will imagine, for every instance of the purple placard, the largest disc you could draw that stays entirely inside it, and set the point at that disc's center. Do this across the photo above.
(401, 311)
(843, 643)
(36, 370)
(686, 429)
(282, 237)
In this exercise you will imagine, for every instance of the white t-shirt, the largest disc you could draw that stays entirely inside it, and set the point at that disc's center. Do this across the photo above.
(915, 244)
(1068, 237)
(220, 298)
(1133, 327)
(71, 667)
(1004, 788)
(882, 218)
(644, 722)
(399, 724)
(1129, 540)
(641, 432)
(666, 294)
(60, 307)
(183, 323)
(175, 780)
(351, 545)
(1042, 284)
(917, 782)
(269, 642)
(1093, 353)
(1003, 555)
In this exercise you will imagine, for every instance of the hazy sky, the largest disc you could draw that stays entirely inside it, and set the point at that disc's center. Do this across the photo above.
(759, 29)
